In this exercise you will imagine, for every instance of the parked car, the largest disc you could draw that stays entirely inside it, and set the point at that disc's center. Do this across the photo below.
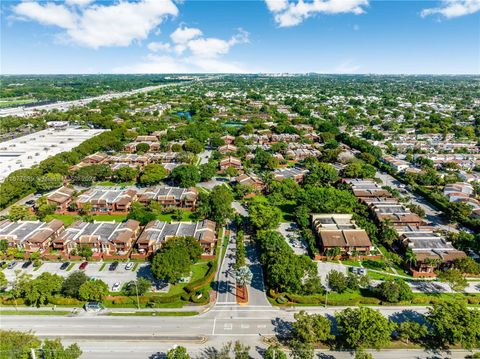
(113, 266)
(2, 263)
(64, 265)
(129, 266)
(30, 203)
(26, 264)
(83, 265)
(11, 265)
(116, 287)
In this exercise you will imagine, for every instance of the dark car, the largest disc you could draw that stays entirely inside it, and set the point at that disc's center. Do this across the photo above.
(83, 265)
(30, 203)
(27, 264)
(113, 266)
(2, 263)
(64, 265)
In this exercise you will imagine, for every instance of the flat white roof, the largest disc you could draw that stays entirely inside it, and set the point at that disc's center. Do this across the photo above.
(29, 150)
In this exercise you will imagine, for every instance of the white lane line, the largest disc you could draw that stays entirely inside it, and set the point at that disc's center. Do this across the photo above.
(214, 323)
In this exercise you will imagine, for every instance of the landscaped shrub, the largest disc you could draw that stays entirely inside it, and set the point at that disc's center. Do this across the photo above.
(10, 301)
(65, 301)
(305, 299)
(370, 301)
(201, 297)
(199, 283)
(473, 300)
(272, 293)
(282, 300)
(166, 299)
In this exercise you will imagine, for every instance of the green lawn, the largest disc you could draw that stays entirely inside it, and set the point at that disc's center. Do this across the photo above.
(114, 184)
(153, 314)
(68, 219)
(14, 102)
(198, 271)
(34, 312)
(187, 216)
(350, 262)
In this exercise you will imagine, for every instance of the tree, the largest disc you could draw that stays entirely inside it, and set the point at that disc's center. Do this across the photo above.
(217, 205)
(301, 350)
(364, 328)
(311, 328)
(53, 349)
(240, 350)
(152, 174)
(360, 354)
(264, 216)
(72, 283)
(3, 282)
(467, 265)
(193, 145)
(19, 213)
(41, 289)
(178, 352)
(140, 213)
(208, 171)
(411, 331)
(3, 245)
(186, 175)
(173, 260)
(93, 290)
(274, 352)
(337, 281)
(394, 290)
(49, 181)
(322, 173)
(454, 278)
(142, 148)
(453, 323)
(142, 286)
(85, 252)
(17, 345)
(244, 276)
(125, 174)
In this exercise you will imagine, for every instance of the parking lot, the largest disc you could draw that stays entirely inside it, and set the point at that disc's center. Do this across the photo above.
(291, 233)
(120, 275)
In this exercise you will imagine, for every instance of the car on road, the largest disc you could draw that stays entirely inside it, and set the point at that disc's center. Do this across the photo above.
(113, 266)
(11, 265)
(64, 265)
(30, 203)
(116, 287)
(83, 265)
(129, 266)
(26, 264)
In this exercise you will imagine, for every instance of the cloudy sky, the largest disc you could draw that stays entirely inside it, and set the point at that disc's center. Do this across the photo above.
(173, 36)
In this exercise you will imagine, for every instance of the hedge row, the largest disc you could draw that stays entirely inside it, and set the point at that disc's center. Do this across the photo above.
(202, 282)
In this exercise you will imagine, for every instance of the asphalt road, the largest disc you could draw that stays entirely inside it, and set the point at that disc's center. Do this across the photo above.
(226, 277)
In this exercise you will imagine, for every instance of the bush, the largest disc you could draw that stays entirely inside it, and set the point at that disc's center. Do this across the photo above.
(305, 299)
(272, 294)
(370, 301)
(200, 297)
(166, 299)
(199, 283)
(474, 300)
(9, 301)
(65, 301)
(282, 300)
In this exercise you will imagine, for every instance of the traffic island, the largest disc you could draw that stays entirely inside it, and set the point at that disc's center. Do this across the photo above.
(242, 295)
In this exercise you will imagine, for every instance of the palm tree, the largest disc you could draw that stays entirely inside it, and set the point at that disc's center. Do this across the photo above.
(410, 257)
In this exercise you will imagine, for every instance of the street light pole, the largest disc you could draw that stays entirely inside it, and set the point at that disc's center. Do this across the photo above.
(136, 289)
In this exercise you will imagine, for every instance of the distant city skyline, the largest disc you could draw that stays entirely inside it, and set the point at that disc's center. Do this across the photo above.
(271, 36)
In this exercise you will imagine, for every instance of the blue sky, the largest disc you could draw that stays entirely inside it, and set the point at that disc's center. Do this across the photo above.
(164, 36)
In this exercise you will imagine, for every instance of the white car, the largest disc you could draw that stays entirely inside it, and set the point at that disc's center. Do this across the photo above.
(116, 287)
(129, 266)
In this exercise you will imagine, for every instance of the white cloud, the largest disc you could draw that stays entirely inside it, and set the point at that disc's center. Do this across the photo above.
(290, 13)
(94, 25)
(190, 52)
(184, 34)
(454, 8)
(159, 46)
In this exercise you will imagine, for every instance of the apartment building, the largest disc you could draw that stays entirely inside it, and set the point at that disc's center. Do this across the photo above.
(230, 161)
(295, 173)
(61, 197)
(102, 237)
(171, 196)
(340, 231)
(32, 236)
(157, 233)
(107, 200)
